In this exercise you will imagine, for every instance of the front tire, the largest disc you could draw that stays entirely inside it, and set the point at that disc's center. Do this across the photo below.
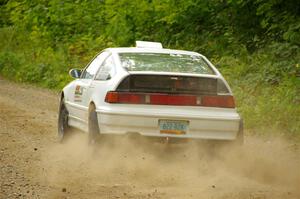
(93, 127)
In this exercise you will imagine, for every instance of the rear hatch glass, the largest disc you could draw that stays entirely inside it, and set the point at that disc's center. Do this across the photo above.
(160, 62)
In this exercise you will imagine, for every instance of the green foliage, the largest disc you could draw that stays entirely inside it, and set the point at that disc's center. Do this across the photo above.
(9, 64)
(266, 85)
(255, 43)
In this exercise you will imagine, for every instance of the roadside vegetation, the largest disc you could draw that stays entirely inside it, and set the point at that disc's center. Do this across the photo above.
(255, 44)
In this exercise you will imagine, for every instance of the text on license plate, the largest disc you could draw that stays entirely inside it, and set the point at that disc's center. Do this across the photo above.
(173, 127)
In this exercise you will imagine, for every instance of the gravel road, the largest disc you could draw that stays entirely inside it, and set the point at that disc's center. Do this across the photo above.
(34, 165)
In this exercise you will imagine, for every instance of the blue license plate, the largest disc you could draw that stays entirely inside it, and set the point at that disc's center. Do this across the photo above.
(173, 127)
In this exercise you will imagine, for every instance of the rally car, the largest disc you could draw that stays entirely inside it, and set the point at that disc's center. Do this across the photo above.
(150, 91)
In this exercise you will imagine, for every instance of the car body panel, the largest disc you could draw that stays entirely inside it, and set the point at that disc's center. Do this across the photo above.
(206, 123)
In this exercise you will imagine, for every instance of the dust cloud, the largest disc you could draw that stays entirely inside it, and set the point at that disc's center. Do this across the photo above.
(130, 166)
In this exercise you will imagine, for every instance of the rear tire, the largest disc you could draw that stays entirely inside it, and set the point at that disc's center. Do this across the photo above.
(93, 127)
(239, 141)
(63, 127)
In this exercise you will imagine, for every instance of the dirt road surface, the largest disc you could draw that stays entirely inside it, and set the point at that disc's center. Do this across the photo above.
(34, 165)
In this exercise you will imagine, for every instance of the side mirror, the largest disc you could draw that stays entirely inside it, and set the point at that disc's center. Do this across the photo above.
(75, 73)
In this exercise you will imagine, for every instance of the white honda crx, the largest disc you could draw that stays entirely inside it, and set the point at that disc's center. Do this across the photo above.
(150, 91)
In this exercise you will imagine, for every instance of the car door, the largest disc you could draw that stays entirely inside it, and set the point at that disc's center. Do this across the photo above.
(83, 87)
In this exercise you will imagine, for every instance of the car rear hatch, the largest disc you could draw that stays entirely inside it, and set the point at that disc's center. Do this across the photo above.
(175, 89)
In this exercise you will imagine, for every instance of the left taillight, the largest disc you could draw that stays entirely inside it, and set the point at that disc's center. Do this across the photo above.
(124, 98)
(170, 99)
(112, 97)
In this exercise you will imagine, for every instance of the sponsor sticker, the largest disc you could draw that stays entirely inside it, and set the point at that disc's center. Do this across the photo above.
(78, 94)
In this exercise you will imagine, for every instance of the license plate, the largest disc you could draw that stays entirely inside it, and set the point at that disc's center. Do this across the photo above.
(173, 127)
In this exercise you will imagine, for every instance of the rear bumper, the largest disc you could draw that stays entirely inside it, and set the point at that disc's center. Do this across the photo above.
(204, 123)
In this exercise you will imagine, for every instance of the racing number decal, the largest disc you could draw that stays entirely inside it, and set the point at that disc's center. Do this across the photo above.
(78, 93)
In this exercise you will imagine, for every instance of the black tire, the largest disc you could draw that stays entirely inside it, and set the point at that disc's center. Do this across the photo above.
(93, 127)
(63, 127)
(239, 141)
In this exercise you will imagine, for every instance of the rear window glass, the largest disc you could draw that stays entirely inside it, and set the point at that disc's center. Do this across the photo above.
(159, 62)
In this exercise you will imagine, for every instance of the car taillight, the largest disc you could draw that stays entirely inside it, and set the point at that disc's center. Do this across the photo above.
(112, 97)
(226, 101)
(163, 99)
(218, 101)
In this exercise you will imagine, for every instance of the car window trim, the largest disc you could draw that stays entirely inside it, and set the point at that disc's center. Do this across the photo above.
(109, 55)
(84, 69)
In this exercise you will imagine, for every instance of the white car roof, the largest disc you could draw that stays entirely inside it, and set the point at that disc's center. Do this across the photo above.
(150, 50)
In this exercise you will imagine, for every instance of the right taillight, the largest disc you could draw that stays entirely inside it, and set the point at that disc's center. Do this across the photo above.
(218, 101)
(222, 101)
